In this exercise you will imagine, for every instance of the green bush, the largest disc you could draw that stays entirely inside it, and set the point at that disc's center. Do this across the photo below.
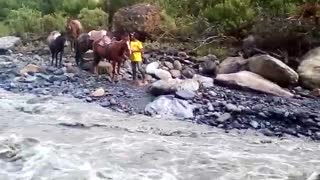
(4, 29)
(231, 14)
(24, 20)
(92, 19)
(168, 23)
(52, 22)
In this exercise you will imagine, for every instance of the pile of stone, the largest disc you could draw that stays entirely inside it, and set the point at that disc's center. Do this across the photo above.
(268, 104)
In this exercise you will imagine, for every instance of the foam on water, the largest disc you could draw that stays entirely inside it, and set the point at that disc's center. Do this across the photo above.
(62, 138)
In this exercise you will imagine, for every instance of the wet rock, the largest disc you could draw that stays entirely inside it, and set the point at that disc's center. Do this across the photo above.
(89, 99)
(31, 68)
(308, 69)
(177, 65)
(206, 82)
(8, 42)
(185, 94)
(266, 132)
(232, 108)
(188, 84)
(208, 67)
(175, 73)
(162, 74)
(168, 64)
(209, 57)
(28, 79)
(58, 72)
(98, 92)
(72, 69)
(212, 93)
(273, 70)
(182, 54)
(232, 65)
(58, 78)
(315, 92)
(246, 79)
(314, 176)
(105, 104)
(50, 69)
(188, 72)
(224, 117)
(152, 67)
(163, 87)
(113, 101)
(254, 124)
(210, 107)
(168, 106)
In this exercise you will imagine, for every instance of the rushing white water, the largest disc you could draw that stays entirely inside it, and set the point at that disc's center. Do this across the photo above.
(39, 142)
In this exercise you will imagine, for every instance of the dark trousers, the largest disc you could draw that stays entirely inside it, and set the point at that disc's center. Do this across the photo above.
(137, 66)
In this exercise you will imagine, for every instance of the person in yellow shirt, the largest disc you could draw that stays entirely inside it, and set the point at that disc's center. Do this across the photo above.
(136, 57)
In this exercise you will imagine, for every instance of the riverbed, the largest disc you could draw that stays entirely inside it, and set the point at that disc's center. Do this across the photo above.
(64, 138)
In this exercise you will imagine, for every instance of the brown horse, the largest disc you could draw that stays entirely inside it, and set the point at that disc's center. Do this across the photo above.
(74, 29)
(84, 43)
(115, 51)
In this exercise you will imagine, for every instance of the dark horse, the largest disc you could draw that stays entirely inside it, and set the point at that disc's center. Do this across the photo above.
(84, 43)
(57, 46)
(115, 52)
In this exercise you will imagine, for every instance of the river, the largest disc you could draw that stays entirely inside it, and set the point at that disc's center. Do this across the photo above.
(46, 138)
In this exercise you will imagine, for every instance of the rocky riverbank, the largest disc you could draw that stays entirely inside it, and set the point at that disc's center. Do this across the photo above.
(177, 90)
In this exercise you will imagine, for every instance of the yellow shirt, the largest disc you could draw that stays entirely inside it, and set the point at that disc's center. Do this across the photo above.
(136, 46)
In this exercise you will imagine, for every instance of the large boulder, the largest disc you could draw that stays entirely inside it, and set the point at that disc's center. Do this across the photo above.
(188, 72)
(273, 70)
(170, 107)
(140, 17)
(8, 42)
(208, 67)
(152, 67)
(188, 84)
(170, 86)
(309, 69)
(250, 80)
(31, 68)
(164, 87)
(205, 82)
(162, 74)
(232, 65)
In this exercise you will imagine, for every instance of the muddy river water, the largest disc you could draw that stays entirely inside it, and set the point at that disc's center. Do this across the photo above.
(45, 138)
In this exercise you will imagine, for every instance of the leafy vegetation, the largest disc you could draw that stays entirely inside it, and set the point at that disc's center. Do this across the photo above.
(189, 18)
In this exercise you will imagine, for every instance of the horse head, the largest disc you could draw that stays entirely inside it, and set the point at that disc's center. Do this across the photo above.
(125, 40)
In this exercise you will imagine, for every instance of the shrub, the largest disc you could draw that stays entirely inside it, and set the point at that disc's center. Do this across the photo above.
(167, 22)
(91, 19)
(53, 22)
(232, 14)
(24, 20)
(191, 27)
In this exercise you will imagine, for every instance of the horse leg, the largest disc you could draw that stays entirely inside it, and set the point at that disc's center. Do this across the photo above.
(118, 68)
(96, 60)
(52, 57)
(113, 70)
(60, 61)
(56, 59)
(77, 54)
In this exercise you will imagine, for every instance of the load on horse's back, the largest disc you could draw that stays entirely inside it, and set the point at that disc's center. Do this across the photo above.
(113, 51)
(85, 40)
(74, 29)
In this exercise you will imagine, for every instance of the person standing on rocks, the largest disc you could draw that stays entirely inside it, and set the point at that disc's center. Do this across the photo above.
(136, 58)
